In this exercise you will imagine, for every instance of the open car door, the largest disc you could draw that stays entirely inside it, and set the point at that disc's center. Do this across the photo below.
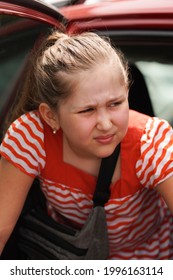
(22, 22)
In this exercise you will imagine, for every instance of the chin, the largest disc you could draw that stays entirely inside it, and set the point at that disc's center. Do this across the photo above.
(105, 154)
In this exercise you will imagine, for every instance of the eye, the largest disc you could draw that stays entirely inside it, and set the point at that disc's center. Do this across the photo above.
(86, 111)
(115, 104)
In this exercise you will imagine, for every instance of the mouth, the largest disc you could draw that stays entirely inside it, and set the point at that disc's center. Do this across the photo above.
(106, 139)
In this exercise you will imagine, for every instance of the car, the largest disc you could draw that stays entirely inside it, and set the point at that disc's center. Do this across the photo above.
(142, 30)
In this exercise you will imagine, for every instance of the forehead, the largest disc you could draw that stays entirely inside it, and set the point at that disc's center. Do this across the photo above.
(98, 84)
(101, 75)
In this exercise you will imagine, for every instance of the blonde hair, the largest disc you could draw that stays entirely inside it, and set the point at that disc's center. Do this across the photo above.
(53, 63)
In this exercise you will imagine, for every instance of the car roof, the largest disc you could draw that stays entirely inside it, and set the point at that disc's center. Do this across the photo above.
(125, 13)
(120, 7)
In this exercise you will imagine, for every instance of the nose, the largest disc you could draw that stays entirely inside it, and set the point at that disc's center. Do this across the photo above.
(104, 121)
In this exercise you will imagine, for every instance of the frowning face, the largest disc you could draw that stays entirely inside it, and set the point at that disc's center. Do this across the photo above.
(94, 119)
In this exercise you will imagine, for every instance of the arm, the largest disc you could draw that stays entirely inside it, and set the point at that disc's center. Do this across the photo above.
(166, 190)
(14, 186)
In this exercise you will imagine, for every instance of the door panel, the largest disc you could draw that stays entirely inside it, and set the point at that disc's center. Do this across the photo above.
(17, 38)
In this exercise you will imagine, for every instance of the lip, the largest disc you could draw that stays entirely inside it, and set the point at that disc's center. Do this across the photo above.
(106, 139)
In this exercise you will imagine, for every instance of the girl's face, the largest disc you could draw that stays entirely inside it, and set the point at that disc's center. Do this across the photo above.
(94, 118)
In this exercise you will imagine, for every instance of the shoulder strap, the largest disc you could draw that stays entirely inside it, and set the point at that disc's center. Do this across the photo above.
(106, 171)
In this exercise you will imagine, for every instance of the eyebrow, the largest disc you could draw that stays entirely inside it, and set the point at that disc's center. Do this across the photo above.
(85, 106)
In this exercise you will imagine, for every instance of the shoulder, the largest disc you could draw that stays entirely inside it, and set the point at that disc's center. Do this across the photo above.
(23, 144)
(137, 122)
(141, 122)
(29, 120)
(29, 126)
(156, 152)
(156, 130)
(136, 128)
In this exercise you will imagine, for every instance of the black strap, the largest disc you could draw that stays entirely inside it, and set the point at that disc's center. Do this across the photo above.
(107, 167)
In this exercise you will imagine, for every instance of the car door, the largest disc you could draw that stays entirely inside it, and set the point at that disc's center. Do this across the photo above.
(21, 24)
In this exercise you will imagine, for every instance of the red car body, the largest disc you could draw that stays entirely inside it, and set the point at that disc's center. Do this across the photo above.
(120, 14)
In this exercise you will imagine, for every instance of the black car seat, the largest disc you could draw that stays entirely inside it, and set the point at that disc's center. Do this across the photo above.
(139, 99)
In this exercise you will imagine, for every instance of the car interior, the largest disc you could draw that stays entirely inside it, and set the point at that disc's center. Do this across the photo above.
(142, 102)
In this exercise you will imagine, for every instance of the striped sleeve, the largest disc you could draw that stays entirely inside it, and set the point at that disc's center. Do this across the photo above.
(23, 144)
(156, 160)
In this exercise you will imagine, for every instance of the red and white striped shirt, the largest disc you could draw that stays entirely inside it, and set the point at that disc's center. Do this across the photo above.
(140, 225)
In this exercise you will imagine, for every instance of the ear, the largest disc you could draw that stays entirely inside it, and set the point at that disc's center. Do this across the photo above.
(49, 116)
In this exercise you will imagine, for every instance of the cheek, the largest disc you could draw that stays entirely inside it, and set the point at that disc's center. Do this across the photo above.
(80, 129)
(122, 119)
(84, 127)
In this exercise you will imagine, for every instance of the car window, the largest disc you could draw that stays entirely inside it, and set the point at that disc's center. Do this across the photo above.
(152, 55)
(159, 79)
(17, 38)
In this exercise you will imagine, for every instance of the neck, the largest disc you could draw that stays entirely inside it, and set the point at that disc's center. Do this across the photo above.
(86, 164)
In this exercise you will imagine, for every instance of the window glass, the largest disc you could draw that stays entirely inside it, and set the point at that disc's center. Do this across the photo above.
(159, 79)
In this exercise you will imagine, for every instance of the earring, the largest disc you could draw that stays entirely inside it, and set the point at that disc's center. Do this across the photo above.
(54, 131)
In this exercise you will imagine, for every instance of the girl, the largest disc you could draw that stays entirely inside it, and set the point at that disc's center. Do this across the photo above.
(72, 113)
